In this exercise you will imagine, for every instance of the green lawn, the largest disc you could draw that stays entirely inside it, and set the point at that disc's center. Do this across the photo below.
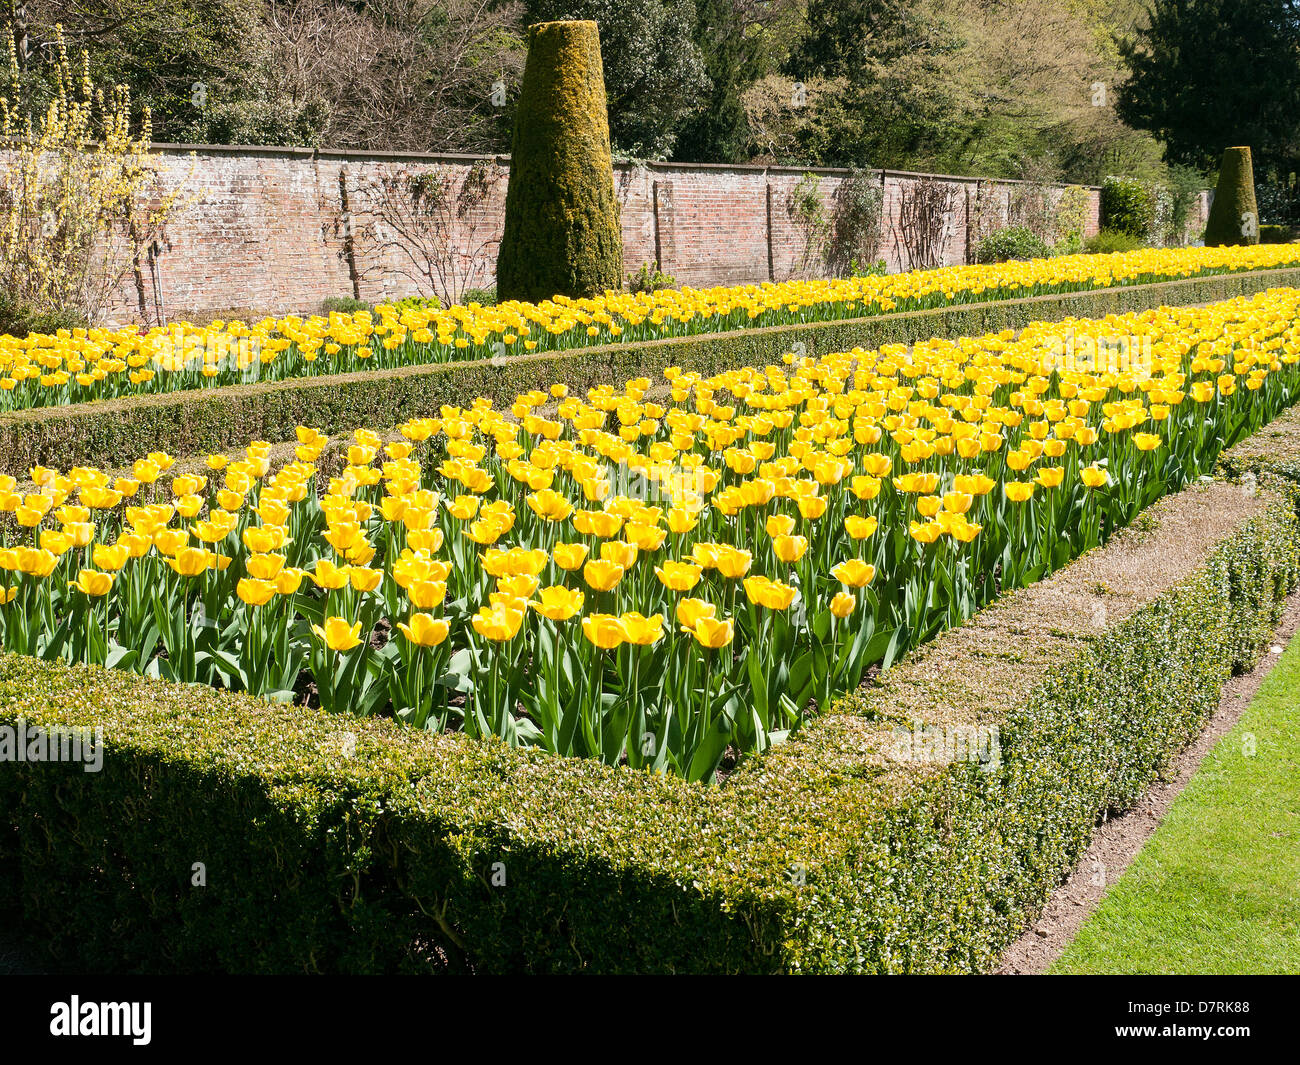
(1217, 888)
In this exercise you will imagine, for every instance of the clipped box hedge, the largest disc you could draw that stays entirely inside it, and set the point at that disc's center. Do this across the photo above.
(1272, 451)
(433, 853)
(206, 420)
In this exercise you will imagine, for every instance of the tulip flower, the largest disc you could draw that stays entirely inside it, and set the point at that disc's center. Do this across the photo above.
(338, 635)
(854, 573)
(92, 583)
(558, 603)
(425, 630)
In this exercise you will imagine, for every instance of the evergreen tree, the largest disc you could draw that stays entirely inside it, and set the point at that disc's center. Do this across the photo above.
(1206, 74)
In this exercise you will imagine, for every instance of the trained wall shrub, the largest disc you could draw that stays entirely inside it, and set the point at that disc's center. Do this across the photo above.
(1015, 242)
(1127, 207)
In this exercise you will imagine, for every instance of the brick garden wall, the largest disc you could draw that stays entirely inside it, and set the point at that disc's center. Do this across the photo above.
(282, 229)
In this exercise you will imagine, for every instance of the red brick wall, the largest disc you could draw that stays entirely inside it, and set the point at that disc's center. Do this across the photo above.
(267, 228)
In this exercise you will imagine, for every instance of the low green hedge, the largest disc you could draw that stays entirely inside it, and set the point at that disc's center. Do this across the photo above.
(1271, 452)
(434, 853)
(189, 423)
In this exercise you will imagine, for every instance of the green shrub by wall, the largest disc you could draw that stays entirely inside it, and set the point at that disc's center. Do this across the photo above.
(1014, 242)
(1109, 241)
(1127, 207)
(562, 233)
(117, 432)
(1234, 215)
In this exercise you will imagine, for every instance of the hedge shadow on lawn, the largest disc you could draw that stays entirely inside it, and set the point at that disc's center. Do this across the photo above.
(206, 420)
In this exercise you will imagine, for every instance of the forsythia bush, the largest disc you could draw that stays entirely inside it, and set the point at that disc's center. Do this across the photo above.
(638, 575)
(78, 196)
(79, 365)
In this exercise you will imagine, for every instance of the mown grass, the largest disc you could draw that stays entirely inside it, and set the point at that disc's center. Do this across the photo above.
(1217, 888)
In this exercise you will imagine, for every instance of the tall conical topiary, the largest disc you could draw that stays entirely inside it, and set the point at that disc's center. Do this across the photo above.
(562, 233)
(1234, 216)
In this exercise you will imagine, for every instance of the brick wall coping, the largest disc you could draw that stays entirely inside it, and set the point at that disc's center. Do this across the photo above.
(504, 160)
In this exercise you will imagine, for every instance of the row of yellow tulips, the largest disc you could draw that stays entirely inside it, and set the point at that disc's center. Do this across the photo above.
(637, 580)
(80, 365)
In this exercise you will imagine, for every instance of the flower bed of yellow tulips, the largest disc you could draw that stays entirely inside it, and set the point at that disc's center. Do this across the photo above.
(44, 371)
(636, 580)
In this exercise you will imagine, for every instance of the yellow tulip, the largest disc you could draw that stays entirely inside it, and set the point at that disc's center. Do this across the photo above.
(518, 585)
(255, 592)
(843, 604)
(93, 584)
(329, 576)
(790, 549)
(264, 567)
(558, 603)
(641, 630)
(191, 561)
(712, 633)
(690, 611)
(604, 631)
(338, 634)
(425, 630)
(289, 580)
(854, 573)
(602, 575)
(733, 563)
(425, 595)
(549, 505)
(111, 557)
(619, 552)
(768, 593)
(36, 562)
(497, 623)
(569, 556)
(1094, 476)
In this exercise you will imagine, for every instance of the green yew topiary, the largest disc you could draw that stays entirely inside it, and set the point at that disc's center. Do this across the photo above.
(562, 234)
(1234, 215)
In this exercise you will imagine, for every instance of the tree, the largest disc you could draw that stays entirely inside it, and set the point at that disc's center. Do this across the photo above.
(175, 56)
(733, 38)
(654, 72)
(428, 226)
(562, 234)
(1210, 73)
(412, 75)
(892, 60)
